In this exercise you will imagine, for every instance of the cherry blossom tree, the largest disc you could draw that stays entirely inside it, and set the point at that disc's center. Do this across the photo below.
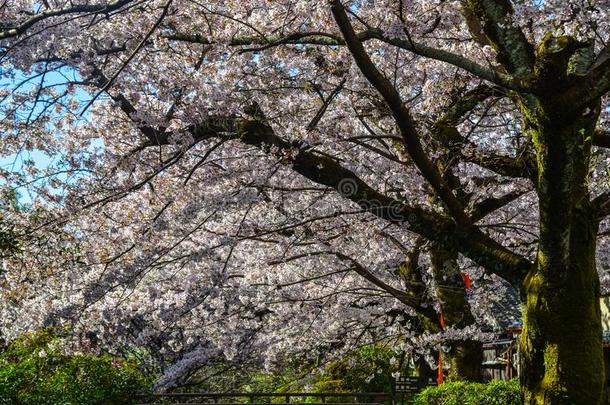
(226, 175)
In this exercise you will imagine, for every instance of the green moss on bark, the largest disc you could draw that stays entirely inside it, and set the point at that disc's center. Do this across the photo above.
(561, 343)
(561, 347)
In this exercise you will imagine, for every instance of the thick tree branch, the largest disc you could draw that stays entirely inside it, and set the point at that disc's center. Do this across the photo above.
(297, 38)
(448, 135)
(514, 51)
(466, 103)
(13, 31)
(101, 81)
(483, 208)
(323, 170)
(401, 114)
(598, 78)
(602, 205)
(456, 60)
(504, 165)
(474, 26)
(585, 91)
(601, 138)
(407, 299)
(326, 39)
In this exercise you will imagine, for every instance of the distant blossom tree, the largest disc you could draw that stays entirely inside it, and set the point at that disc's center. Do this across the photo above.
(266, 178)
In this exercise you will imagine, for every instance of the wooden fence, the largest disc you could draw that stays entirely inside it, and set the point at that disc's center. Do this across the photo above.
(258, 398)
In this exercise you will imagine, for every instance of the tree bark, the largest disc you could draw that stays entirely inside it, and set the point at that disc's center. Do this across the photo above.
(425, 373)
(464, 356)
(561, 344)
(465, 360)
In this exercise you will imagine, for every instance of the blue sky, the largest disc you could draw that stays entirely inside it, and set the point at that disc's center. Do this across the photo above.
(56, 79)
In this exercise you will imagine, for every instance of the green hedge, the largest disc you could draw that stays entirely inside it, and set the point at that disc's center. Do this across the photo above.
(34, 371)
(367, 369)
(462, 393)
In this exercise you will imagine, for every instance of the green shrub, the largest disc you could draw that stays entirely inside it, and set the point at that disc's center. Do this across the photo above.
(34, 371)
(461, 393)
(368, 369)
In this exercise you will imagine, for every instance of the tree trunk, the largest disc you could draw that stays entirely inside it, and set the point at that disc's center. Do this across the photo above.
(426, 374)
(561, 345)
(464, 357)
(465, 360)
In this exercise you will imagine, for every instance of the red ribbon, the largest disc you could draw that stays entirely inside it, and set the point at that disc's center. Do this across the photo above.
(467, 281)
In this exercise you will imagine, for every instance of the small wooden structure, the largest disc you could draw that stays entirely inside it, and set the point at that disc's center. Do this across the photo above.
(501, 357)
(499, 360)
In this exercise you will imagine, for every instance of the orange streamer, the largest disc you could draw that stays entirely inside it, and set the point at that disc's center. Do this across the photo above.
(440, 377)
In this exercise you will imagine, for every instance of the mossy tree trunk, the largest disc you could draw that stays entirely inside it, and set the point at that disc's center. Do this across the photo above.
(464, 356)
(561, 346)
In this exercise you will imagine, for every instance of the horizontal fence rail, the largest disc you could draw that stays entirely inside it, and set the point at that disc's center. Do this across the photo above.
(260, 398)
